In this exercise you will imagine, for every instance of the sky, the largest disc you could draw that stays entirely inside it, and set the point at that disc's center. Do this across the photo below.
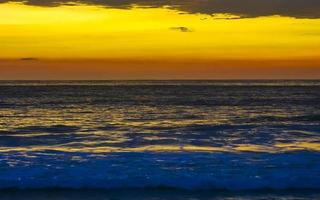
(159, 39)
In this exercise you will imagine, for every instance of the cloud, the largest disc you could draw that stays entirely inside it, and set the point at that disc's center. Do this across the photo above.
(181, 28)
(243, 8)
(29, 59)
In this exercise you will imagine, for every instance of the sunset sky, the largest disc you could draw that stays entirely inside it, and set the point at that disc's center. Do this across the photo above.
(160, 39)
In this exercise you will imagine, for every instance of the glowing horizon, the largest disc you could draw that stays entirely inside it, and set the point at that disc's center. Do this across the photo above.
(114, 40)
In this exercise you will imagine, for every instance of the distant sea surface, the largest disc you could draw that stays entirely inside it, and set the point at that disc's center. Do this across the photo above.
(158, 138)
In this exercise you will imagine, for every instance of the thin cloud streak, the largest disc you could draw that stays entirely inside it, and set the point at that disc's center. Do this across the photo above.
(181, 29)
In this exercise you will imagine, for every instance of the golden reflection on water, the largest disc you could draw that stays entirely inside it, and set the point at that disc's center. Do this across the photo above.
(111, 119)
(95, 138)
(170, 148)
(315, 146)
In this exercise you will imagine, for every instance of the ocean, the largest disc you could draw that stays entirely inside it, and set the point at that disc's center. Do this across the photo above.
(160, 140)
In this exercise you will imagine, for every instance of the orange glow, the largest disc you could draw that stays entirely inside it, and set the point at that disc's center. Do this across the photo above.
(158, 69)
(91, 42)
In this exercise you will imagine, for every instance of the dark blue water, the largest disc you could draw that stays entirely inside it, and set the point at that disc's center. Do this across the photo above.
(212, 135)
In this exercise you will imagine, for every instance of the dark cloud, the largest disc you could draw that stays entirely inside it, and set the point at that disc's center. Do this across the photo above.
(181, 28)
(28, 59)
(243, 8)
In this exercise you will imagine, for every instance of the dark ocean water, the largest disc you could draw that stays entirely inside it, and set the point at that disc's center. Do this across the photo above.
(179, 135)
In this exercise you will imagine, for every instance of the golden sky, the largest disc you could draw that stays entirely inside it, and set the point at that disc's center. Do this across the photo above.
(90, 41)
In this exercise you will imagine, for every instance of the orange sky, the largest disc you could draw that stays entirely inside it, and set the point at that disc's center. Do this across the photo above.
(158, 69)
(93, 42)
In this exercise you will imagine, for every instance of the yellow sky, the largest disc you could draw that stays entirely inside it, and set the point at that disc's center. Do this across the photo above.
(162, 34)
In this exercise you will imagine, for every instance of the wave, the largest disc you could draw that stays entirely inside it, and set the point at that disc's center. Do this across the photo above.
(154, 194)
(191, 171)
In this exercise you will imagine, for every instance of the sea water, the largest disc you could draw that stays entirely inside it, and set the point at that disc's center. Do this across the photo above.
(158, 138)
